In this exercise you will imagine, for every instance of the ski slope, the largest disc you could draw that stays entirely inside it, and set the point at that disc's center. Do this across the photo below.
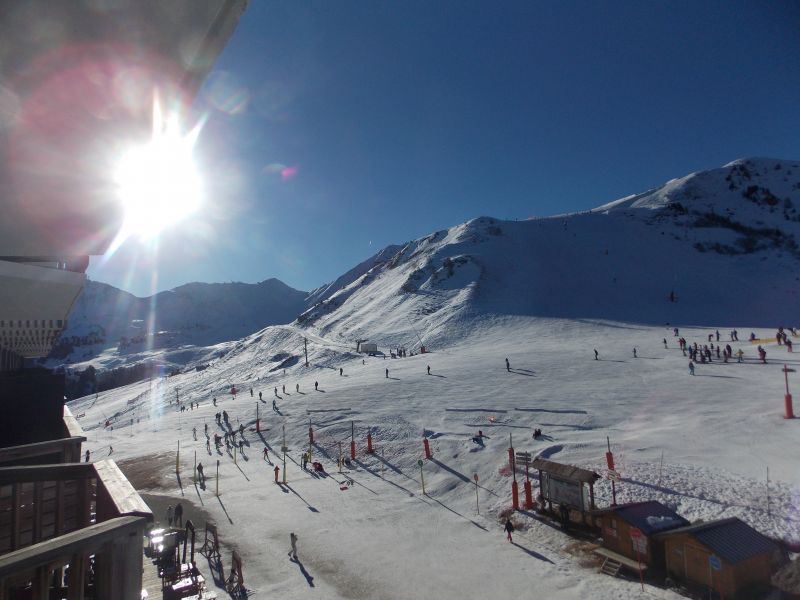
(380, 537)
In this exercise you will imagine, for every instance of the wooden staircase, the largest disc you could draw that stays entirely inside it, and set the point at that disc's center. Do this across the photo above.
(611, 567)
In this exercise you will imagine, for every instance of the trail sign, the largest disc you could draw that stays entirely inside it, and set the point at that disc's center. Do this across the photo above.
(420, 463)
(714, 562)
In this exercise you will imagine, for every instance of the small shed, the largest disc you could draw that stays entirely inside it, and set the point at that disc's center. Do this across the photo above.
(368, 348)
(566, 485)
(644, 520)
(746, 558)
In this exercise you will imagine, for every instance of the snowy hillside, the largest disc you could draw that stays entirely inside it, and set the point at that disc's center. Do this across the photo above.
(543, 293)
(723, 244)
(699, 444)
(122, 329)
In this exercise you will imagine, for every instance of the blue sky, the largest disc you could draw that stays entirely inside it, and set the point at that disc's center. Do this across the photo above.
(337, 128)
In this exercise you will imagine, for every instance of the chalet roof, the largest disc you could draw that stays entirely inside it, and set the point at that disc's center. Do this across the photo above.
(731, 539)
(562, 471)
(649, 517)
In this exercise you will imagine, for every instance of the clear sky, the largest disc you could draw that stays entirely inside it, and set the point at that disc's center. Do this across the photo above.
(336, 128)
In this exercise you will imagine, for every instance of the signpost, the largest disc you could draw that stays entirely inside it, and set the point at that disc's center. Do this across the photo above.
(477, 506)
(283, 448)
(422, 476)
(638, 543)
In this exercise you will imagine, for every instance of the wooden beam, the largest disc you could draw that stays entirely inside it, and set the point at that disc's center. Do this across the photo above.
(61, 446)
(87, 540)
(126, 500)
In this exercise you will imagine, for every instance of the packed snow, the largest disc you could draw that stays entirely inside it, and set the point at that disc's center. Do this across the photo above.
(380, 537)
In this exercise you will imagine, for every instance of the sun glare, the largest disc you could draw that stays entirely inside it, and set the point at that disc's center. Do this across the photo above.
(158, 182)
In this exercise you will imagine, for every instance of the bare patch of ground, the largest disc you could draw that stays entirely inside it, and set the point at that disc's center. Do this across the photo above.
(150, 472)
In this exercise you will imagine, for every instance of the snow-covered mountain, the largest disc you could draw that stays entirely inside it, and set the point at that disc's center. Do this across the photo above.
(714, 246)
(128, 328)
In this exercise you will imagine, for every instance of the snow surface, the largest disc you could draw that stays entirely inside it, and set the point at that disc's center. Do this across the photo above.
(543, 293)
(381, 538)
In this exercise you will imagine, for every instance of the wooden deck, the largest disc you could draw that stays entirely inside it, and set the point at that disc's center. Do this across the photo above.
(623, 560)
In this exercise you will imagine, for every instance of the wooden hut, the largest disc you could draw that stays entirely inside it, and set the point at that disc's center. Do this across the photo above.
(566, 485)
(628, 530)
(726, 555)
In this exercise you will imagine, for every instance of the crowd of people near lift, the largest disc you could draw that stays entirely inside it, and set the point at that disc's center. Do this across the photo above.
(707, 353)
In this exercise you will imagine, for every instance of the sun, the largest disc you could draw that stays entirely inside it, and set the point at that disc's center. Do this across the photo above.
(158, 182)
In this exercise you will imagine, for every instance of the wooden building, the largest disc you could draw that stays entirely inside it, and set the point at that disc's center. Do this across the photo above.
(745, 558)
(628, 530)
(566, 485)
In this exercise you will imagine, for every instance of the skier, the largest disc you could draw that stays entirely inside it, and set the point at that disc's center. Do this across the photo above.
(508, 366)
(595, 354)
(259, 396)
(665, 343)
(266, 456)
(387, 373)
(241, 430)
(251, 392)
(691, 368)
(200, 474)
(316, 385)
(179, 515)
(717, 333)
(634, 353)
(215, 402)
(293, 542)
(206, 429)
(169, 515)
(111, 448)
(194, 433)
(509, 529)
(87, 456)
(304, 460)
(297, 388)
(208, 445)
(274, 406)
(276, 391)
(341, 371)
(277, 470)
(283, 387)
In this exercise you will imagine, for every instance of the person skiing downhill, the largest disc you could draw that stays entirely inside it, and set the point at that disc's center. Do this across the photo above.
(274, 406)
(387, 373)
(429, 369)
(259, 395)
(509, 529)
(297, 388)
(508, 366)
(293, 541)
(341, 371)
(634, 353)
(595, 354)
(316, 385)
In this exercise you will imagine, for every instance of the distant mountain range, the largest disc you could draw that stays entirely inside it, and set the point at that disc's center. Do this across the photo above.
(714, 248)
(195, 314)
